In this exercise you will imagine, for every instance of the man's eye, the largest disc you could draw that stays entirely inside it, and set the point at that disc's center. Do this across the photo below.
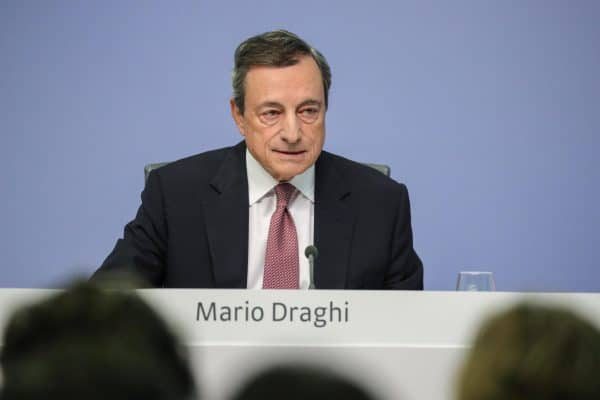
(270, 116)
(309, 113)
(270, 113)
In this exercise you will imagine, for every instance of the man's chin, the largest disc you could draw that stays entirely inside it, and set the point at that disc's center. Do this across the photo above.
(287, 174)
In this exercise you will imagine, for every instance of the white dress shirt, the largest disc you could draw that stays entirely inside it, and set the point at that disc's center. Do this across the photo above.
(262, 202)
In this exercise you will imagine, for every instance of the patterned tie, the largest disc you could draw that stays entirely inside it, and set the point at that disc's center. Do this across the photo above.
(281, 259)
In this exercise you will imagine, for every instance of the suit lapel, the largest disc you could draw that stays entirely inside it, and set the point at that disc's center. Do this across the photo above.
(226, 214)
(334, 224)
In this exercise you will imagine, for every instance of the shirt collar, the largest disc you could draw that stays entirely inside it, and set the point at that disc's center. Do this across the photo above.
(260, 182)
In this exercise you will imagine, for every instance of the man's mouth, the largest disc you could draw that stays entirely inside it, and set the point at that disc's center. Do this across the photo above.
(290, 152)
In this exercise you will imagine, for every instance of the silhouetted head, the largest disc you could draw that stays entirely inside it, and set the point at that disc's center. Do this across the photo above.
(87, 343)
(533, 353)
(300, 383)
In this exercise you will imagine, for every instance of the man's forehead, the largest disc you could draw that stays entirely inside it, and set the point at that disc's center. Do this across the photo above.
(303, 79)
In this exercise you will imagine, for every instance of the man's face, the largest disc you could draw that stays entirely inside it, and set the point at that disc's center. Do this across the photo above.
(284, 118)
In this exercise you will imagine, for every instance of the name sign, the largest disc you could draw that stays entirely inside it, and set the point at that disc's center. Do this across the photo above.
(277, 311)
(340, 317)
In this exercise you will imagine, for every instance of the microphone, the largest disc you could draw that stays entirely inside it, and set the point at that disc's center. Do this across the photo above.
(311, 253)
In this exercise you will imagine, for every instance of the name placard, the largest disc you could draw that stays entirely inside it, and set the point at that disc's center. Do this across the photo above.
(394, 318)
(403, 344)
(278, 311)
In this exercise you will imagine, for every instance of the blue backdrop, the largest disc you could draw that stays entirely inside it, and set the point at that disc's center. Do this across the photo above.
(488, 110)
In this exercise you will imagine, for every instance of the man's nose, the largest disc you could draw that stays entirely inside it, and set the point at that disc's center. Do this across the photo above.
(291, 129)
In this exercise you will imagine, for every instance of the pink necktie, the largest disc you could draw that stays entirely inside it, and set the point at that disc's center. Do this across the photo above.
(281, 259)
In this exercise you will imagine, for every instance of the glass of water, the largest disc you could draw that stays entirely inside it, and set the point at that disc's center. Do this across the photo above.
(475, 281)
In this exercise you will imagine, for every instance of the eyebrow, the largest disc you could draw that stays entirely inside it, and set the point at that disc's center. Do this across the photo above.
(310, 102)
(307, 102)
(269, 104)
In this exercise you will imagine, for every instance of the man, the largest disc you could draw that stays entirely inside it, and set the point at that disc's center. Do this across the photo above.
(241, 217)
(87, 343)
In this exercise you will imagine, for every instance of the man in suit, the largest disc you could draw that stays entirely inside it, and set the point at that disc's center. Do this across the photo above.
(241, 217)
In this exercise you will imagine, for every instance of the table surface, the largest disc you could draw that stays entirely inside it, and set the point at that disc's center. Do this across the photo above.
(401, 345)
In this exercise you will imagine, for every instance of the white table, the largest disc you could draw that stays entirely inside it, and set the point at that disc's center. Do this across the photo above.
(401, 345)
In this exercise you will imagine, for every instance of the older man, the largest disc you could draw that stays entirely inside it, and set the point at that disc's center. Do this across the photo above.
(241, 217)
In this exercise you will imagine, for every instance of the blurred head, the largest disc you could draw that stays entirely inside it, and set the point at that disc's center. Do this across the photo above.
(90, 344)
(280, 97)
(300, 383)
(533, 352)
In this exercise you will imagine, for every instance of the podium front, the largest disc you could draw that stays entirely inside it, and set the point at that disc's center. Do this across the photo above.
(399, 345)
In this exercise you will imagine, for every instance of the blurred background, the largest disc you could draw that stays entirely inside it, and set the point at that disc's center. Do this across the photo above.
(489, 111)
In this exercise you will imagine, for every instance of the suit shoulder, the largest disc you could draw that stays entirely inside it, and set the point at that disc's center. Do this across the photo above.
(362, 176)
(201, 166)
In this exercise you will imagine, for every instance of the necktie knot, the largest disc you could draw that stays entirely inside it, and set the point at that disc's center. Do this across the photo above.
(284, 192)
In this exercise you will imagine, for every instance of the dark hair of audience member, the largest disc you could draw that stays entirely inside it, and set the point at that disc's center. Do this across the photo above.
(533, 353)
(300, 382)
(88, 343)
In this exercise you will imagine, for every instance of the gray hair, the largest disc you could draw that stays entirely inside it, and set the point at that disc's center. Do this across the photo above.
(278, 48)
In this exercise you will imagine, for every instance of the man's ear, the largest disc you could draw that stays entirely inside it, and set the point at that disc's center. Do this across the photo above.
(238, 117)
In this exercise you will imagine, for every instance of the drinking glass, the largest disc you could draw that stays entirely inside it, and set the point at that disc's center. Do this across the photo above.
(475, 281)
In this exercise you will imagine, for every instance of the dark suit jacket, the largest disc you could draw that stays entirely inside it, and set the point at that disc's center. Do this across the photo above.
(192, 227)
